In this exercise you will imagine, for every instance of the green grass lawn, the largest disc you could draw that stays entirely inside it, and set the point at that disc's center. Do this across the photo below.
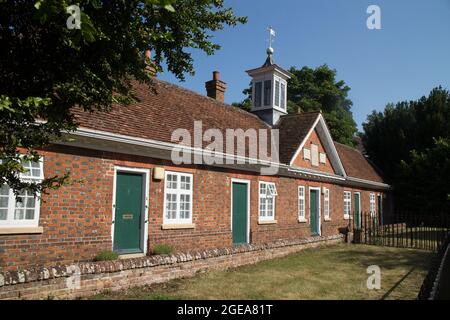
(336, 272)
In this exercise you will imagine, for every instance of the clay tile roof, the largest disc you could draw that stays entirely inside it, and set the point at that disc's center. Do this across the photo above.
(356, 165)
(293, 130)
(156, 115)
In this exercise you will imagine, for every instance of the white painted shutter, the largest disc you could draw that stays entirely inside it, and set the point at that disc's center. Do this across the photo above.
(314, 155)
(323, 158)
(306, 154)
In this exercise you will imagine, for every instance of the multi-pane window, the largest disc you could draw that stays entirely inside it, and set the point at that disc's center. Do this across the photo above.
(326, 204)
(372, 204)
(267, 95)
(301, 203)
(347, 204)
(178, 198)
(4, 202)
(258, 94)
(23, 209)
(267, 194)
(283, 96)
(277, 93)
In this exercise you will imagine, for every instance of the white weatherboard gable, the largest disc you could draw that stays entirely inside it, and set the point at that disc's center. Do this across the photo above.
(327, 142)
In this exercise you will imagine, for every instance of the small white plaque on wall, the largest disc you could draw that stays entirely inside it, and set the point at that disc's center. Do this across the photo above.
(158, 173)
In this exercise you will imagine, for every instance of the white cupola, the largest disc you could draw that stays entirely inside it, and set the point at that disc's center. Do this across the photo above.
(269, 90)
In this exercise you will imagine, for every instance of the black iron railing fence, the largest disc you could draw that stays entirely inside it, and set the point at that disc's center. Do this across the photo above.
(417, 231)
(403, 230)
(436, 285)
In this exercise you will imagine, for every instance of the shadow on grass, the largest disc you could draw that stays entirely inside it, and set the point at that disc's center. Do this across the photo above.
(389, 259)
(395, 286)
(306, 272)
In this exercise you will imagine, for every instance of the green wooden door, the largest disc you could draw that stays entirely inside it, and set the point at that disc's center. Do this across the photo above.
(357, 210)
(314, 212)
(240, 213)
(128, 213)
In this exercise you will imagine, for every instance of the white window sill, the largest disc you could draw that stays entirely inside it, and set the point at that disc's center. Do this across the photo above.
(302, 220)
(21, 230)
(267, 222)
(327, 219)
(178, 226)
(346, 217)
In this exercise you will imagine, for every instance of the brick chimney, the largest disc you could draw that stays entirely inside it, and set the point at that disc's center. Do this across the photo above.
(215, 88)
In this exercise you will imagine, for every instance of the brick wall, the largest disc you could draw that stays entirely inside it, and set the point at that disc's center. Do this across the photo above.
(77, 218)
(85, 279)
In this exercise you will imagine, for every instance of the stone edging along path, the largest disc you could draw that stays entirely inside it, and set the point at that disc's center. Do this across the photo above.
(92, 277)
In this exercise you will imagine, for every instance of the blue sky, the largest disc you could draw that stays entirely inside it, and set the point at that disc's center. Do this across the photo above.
(403, 61)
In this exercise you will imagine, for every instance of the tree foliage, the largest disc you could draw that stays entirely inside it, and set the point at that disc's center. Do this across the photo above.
(317, 89)
(423, 181)
(47, 68)
(407, 142)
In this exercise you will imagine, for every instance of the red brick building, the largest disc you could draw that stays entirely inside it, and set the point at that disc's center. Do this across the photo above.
(128, 195)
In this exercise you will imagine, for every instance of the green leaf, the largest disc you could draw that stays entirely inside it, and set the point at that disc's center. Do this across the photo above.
(87, 28)
(169, 7)
(38, 4)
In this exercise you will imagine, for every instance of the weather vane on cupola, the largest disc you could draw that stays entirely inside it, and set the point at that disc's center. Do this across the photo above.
(269, 60)
(271, 36)
(269, 87)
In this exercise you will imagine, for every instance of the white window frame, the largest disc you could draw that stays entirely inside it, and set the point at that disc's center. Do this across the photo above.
(347, 203)
(302, 204)
(283, 95)
(178, 192)
(326, 204)
(372, 204)
(273, 194)
(277, 92)
(10, 221)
